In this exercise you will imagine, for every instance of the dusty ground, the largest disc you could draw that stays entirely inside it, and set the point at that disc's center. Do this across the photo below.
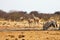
(30, 35)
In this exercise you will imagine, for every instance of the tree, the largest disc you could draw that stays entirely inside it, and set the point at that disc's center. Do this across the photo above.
(34, 13)
(58, 12)
(2, 14)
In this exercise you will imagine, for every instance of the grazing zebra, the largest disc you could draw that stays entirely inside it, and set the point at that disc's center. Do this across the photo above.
(49, 24)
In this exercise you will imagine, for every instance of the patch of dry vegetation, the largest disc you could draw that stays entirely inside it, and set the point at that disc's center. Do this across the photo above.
(19, 19)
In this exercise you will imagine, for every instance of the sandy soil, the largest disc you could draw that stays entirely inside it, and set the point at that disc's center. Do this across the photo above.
(30, 35)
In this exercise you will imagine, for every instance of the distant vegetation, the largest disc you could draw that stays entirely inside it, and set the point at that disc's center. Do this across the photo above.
(18, 15)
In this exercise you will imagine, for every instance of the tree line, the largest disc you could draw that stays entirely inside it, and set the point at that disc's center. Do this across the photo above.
(17, 15)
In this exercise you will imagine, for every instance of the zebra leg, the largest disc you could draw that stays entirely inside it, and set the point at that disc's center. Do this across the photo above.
(45, 28)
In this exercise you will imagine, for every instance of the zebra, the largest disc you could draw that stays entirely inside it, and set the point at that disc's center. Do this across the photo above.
(48, 24)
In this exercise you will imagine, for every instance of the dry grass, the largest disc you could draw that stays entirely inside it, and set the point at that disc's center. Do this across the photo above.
(26, 35)
(22, 24)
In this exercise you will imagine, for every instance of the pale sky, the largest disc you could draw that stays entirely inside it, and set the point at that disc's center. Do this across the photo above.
(46, 6)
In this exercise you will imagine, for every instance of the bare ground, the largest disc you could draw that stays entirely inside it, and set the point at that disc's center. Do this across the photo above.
(30, 35)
